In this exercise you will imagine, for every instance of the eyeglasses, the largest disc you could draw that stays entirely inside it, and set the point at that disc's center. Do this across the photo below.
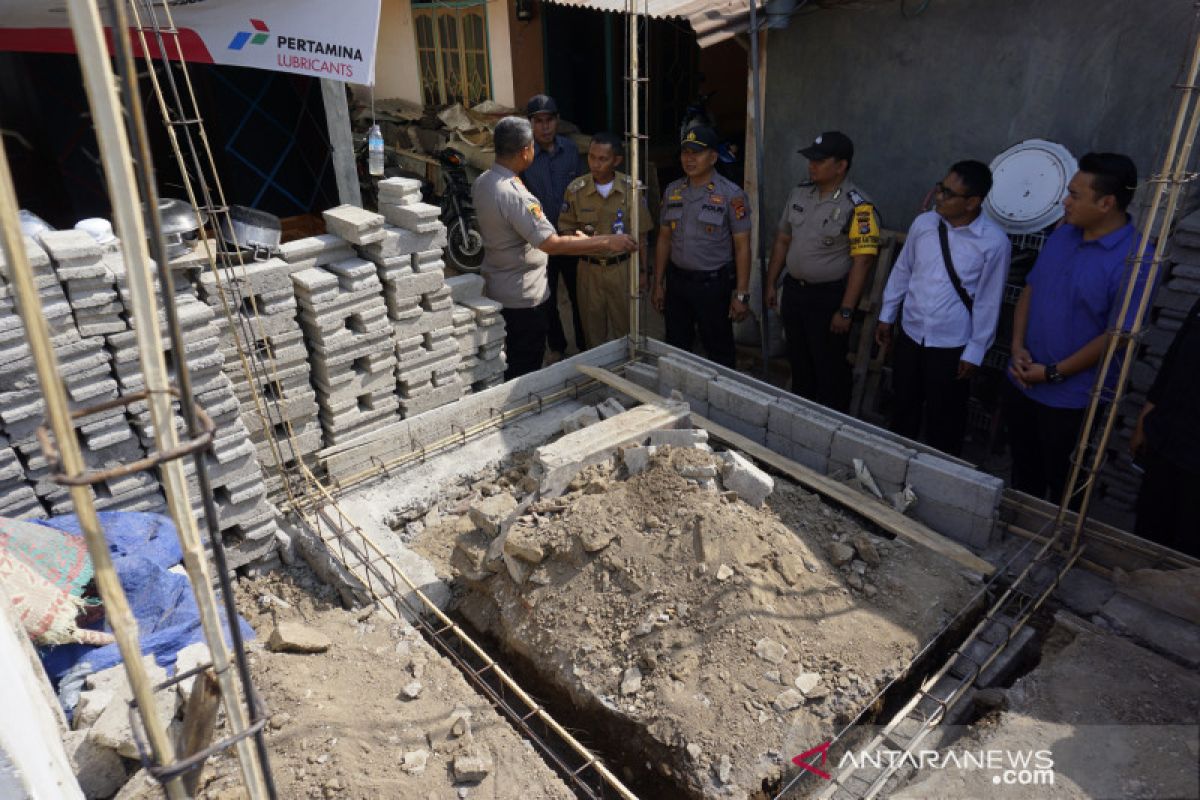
(941, 189)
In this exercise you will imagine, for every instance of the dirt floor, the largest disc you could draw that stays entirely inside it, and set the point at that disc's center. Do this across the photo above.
(343, 724)
(707, 640)
(1115, 720)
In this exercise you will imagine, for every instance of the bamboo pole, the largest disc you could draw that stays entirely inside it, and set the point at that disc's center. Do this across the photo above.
(100, 83)
(635, 211)
(116, 607)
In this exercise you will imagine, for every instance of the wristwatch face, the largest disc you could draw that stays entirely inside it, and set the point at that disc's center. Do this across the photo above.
(742, 298)
(846, 313)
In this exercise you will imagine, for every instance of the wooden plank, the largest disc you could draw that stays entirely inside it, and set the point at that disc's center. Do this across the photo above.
(882, 515)
(337, 119)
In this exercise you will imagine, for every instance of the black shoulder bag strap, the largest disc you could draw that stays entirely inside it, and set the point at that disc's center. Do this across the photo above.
(949, 262)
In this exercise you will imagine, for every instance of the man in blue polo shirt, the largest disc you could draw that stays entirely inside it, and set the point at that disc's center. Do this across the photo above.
(1062, 321)
(556, 163)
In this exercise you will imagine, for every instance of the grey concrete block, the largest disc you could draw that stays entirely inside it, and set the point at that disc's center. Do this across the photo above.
(960, 525)
(686, 375)
(886, 460)
(742, 476)
(464, 286)
(806, 426)
(678, 437)
(738, 424)
(1161, 631)
(644, 375)
(955, 484)
(743, 402)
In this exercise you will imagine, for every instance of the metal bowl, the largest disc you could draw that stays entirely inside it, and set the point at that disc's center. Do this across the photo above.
(250, 229)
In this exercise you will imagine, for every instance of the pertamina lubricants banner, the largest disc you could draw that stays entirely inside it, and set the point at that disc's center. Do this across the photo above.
(322, 38)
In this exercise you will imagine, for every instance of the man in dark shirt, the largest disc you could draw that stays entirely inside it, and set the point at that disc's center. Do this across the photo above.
(1167, 444)
(556, 163)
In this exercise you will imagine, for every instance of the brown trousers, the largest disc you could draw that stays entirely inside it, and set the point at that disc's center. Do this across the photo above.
(603, 301)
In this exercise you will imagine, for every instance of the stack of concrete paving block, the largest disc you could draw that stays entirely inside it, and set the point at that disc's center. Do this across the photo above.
(355, 225)
(84, 366)
(346, 328)
(485, 368)
(17, 498)
(245, 517)
(400, 203)
(88, 281)
(480, 346)
(263, 303)
(1178, 291)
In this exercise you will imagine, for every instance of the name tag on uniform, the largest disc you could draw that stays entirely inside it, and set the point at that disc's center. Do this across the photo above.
(716, 199)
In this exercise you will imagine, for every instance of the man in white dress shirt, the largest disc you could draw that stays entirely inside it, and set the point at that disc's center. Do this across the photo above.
(949, 279)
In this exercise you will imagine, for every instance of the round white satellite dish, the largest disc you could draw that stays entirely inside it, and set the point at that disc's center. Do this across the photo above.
(1029, 182)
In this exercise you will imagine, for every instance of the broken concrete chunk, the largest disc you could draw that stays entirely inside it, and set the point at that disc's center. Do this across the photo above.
(637, 458)
(725, 769)
(89, 708)
(770, 650)
(724, 572)
(188, 659)
(806, 682)
(741, 476)
(697, 471)
(631, 681)
(840, 554)
(596, 537)
(694, 751)
(99, 770)
(610, 408)
(866, 549)
(411, 690)
(490, 512)
(787, 700)
(522, 542)
(296, 637)
(415, 761)
(472, 768)
(588, 415)
(682, 438)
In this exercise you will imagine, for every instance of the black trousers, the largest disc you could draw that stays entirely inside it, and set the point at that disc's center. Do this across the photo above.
(820, 371)
(1168, 505)
(699, 303)
(928, 393)
(556, 337)
(525, 338)
(1041, 439)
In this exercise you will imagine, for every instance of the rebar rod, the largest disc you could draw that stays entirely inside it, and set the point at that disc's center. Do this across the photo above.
(1175, 162)
(635, 210)
(116, 605)
(149, 190)
(118, 169)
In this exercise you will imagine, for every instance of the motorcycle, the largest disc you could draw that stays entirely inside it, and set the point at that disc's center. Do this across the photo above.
(464, 241)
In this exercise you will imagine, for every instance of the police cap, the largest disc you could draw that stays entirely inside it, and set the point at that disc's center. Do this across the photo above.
(830, 143)
(541, 104)
(699, 137)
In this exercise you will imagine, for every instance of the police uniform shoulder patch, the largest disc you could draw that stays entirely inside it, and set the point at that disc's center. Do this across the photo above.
(536, 210)
(738, 204)
(577, 184)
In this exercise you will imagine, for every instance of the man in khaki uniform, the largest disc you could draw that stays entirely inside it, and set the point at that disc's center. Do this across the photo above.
(828, 241)
(602, 202)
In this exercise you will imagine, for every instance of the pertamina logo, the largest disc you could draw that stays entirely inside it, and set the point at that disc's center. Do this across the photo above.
(241, 38)
(293, 52)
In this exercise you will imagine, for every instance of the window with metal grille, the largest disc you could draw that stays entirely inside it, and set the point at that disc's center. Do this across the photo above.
(452, 51)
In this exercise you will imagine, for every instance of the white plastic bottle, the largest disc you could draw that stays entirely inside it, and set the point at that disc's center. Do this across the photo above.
(375, 150)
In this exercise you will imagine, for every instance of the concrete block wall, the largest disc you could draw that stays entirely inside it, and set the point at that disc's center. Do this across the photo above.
(953, 499)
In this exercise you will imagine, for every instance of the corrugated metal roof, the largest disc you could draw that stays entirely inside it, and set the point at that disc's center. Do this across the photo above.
(712, 21)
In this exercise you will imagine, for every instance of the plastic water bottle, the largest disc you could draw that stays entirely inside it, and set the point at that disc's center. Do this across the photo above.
(375, 150)
(619, 222)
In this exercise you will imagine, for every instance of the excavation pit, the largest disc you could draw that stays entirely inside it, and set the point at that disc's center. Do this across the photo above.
(700, 642)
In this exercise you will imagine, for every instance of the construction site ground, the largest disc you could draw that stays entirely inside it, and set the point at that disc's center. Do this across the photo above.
(701, 640)
(378, 714)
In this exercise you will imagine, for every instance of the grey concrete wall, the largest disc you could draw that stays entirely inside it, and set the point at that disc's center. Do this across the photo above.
(967, 79)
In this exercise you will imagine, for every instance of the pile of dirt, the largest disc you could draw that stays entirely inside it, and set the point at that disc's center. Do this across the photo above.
(707, 640)
(378, 714)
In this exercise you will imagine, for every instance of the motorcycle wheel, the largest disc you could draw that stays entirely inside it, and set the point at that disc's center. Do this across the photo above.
(465, 245)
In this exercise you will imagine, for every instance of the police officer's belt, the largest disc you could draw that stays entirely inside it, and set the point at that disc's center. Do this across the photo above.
(702, 275)
(605, 260)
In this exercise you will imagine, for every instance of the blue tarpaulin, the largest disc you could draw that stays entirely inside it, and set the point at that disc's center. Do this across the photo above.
(144, 547)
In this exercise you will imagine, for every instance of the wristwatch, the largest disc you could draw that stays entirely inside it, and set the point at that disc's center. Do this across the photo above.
(847, 312)
(742, 297)
(1053, 375)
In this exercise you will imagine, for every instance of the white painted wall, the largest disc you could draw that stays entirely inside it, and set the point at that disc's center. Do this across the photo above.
(396, 73)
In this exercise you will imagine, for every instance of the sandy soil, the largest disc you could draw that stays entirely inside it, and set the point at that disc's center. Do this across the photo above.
(341, 726)
(709, 640)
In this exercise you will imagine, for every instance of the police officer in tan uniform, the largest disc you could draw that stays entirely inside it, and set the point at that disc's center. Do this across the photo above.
(517, 238)
(602, 202)
(828, 240)
(702, 257)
